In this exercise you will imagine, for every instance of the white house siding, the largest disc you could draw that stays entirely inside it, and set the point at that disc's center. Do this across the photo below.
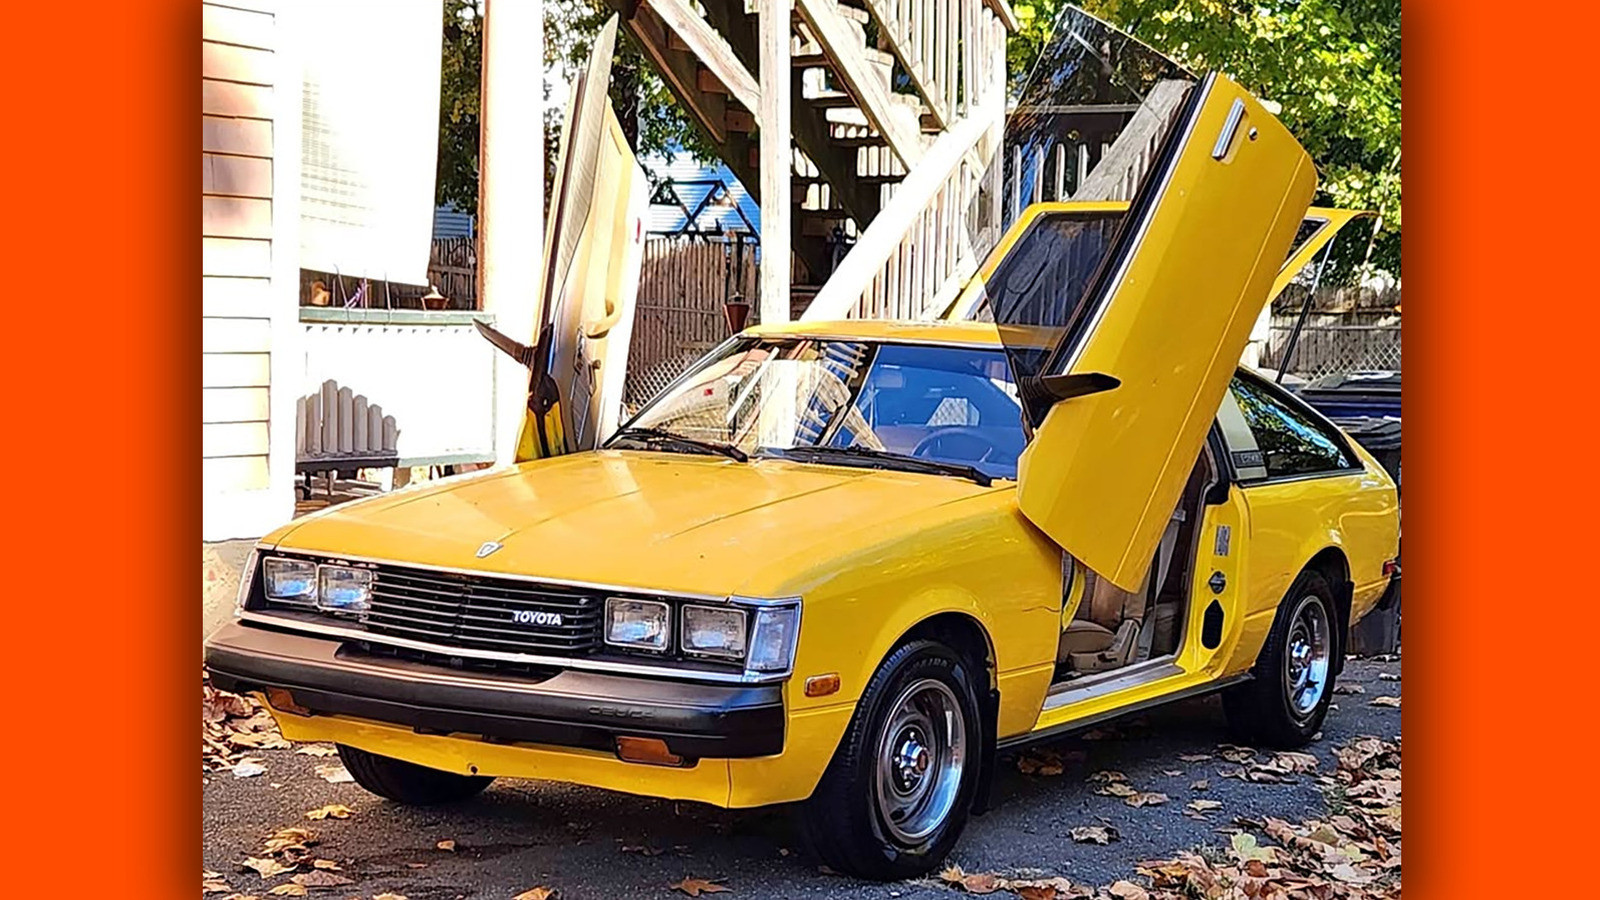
(249, 183)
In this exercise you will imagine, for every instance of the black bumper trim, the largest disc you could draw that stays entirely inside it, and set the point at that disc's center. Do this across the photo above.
(567, 709)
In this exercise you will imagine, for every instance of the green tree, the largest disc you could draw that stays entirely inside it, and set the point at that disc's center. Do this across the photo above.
(650, 116)
(1332, 65)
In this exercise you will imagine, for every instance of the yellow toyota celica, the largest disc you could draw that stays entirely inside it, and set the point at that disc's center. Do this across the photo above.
(847, 562)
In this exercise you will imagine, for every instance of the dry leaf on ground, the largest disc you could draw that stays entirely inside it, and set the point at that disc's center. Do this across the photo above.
(289, 889)
(266, 868)
(332, 810)
(1194, 757)
(1386, 701)
(214, 886)
(1204, 805)
(388, 896)
(1201, 785)
(1095, 834)
(446, 845)
(1143, 798)
(325, 864)
(316, 750)
(335, 774)
(320, 878)
(291, 838)
(1127, 890)
(538, 893)
(694, 887)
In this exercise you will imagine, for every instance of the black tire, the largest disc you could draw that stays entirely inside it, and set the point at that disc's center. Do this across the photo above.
(409, 783)
(844, 821)
(1264, 711)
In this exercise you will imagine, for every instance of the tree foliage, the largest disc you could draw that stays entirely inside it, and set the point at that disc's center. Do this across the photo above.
(650, 116)
(1332, 65)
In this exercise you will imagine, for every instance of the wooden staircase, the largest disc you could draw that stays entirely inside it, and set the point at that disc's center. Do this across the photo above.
(894, 107)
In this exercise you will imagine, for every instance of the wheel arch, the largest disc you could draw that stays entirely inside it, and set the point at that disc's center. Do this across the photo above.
(1332, 563)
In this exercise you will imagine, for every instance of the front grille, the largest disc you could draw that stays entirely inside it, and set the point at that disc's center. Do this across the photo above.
(482, 612)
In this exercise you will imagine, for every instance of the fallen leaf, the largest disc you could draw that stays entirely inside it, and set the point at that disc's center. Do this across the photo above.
(1095, 834)
(1204, 805)
(642, 849)
(1235, 753)
(1141, 798)
(1295, 761)
(335, 774)
(1172, 773)
(266, 868)
(1245, 848)
(1037, 892)
(241, 897)
(289, 889)
(388, 896)
(1194, 757)
(446, 845)
(248, 769)
(1386, 701)
(1349, 689)
(332, 810)
(214, 886)
(416, 865)
(325, 864)
(1388, 676)
(538, 893)
(320, 878)
(694, 887)
(1107, 776)
(1201, 785)
(1127, 890)
(316, 750)
(291, 838)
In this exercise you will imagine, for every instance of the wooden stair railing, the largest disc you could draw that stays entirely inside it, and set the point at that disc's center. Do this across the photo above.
(877, 87)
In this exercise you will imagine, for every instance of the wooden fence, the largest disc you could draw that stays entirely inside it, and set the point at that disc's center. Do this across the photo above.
(683, 286)
(452, 268)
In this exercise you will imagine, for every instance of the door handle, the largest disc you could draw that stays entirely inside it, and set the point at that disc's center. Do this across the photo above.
(1230, 127)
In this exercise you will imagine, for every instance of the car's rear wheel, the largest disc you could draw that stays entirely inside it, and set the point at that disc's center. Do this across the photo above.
(406, 782)
(896, 795)
(1285, 703)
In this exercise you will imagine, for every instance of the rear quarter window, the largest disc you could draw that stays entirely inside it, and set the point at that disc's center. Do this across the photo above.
(1292, 442)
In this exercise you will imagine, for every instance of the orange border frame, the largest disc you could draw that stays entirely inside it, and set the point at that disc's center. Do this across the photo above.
(105, 782)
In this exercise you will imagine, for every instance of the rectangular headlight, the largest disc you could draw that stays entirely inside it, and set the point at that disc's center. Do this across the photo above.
(637, 624)
(714, 631)
(772, 638)
(344, 589)
(292, 580)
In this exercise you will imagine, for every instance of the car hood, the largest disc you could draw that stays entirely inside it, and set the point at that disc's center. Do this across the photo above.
(656, 521)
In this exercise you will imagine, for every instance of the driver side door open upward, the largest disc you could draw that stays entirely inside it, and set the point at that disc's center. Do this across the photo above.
(1165, 315)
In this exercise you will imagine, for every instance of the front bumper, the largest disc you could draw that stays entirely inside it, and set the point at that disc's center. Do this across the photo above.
(567, 708)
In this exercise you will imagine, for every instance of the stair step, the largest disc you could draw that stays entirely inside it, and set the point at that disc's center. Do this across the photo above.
(813, 58)
(831, 100)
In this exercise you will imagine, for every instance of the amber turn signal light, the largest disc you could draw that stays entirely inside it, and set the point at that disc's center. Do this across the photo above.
(283, 701)
(822, 685)
(646, 750)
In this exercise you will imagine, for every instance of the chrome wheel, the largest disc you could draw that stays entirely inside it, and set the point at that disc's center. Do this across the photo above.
(1307, 657)
(921, 755)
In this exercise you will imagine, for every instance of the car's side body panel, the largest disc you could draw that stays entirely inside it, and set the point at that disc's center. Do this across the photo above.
(990, 565)
(1295, 519)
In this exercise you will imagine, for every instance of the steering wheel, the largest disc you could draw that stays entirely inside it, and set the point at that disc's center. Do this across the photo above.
(941, 439)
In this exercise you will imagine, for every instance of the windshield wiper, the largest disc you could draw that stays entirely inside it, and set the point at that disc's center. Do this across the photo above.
(658, 435)
(879, 459)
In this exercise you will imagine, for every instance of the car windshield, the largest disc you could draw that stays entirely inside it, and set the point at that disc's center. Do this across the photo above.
(824, 399)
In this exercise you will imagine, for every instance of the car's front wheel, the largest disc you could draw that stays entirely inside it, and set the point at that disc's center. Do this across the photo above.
(896, 795)
(406, 782)
(1285, 703)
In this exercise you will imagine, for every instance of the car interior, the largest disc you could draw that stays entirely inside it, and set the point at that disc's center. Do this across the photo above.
(1112, 628)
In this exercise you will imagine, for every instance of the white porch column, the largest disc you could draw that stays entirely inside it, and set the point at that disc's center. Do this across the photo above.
(776, 159)
(511, 194)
